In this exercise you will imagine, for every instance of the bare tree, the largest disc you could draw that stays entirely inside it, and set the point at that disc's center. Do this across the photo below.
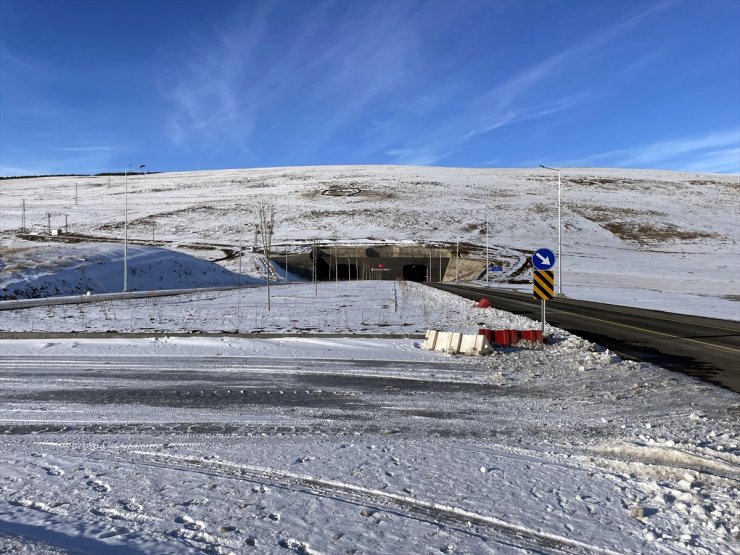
(265, 229)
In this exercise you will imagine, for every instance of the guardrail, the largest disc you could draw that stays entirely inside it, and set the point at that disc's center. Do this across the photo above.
(97, 297)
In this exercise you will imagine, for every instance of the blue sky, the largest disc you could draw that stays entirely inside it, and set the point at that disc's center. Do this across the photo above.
(93, 86)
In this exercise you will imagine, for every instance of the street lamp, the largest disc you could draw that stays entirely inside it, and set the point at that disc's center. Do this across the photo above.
(488, 262)
(125, 230)
(560, 227)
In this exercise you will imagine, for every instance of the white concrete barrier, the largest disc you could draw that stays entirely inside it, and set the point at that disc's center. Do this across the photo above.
(456, 343)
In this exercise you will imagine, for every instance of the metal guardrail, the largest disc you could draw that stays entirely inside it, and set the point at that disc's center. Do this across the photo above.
(17, 304)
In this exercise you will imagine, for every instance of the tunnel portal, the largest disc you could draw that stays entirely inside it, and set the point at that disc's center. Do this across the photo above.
(380, 262)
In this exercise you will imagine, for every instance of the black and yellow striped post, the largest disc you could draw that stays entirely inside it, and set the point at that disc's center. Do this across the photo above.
(544, 285)
(543, 288)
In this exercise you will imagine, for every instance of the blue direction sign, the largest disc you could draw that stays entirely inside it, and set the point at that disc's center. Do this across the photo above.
(543, 259)
(493, 268)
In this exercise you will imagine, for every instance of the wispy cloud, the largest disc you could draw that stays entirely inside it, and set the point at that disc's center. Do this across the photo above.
(88, 148)
(248, 84)
(717, 152)
(59, 160)
(512, 102)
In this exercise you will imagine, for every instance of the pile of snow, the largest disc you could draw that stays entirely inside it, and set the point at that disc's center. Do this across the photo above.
(41, 269)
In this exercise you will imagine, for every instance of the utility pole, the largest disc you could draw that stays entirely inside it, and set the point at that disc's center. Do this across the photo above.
(48, 222)
(315, 280)
(23, 217)
(125, 233)
(66, 224)
(457, 263)
(560, 234)
(487, 257)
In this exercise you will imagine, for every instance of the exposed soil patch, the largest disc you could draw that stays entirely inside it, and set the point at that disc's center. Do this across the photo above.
(341, 191)
(644, 233)
(639, 226)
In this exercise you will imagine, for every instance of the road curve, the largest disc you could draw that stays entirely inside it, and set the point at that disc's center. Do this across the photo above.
(705, 348)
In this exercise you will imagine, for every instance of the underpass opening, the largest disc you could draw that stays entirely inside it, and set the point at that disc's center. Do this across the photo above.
(346, 272)
(415, 272)
(323, 270)
(378, 262)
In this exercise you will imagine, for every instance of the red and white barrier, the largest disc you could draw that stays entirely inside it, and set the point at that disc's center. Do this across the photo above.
(507, 338)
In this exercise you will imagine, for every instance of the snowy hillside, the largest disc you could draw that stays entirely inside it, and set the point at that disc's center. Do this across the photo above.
(354, 444)
(46, 270)
(629, 236)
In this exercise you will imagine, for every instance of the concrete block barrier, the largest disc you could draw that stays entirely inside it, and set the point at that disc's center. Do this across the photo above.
(475, 345)
(430, 341)
(456, 343)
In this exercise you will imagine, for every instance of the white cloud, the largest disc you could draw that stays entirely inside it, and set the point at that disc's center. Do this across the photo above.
(711, 152)
(328, 72)
(507, 104)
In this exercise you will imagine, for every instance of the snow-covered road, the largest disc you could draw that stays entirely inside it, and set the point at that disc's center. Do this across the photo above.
(356, 445)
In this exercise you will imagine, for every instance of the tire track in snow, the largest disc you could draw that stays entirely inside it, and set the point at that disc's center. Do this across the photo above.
(413, 506)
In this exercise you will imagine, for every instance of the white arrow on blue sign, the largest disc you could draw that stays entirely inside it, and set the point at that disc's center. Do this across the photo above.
(543, 259)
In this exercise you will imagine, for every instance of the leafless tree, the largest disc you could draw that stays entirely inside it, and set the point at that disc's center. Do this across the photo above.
(265, 229)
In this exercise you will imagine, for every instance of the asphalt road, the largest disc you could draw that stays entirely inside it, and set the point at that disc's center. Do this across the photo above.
(705, 348)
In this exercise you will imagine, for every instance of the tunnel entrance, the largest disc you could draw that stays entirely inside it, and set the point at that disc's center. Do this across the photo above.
(323, 271)
(385, 262)
(346, 272)
(415, 272)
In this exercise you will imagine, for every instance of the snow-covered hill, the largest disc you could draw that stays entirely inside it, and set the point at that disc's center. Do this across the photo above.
(47, 269)
(646, 238)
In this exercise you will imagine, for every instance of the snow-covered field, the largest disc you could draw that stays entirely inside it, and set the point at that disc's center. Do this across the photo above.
(307, 443)
(652, 239)
(364, 307)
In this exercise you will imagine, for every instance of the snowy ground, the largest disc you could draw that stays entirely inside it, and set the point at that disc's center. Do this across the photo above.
(652, 239)
(365, 307)
(341, 445)
(311, 444)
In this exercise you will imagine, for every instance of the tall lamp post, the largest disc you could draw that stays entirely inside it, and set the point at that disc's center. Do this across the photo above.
(488, 261)
(560, 236)
(125, 230)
